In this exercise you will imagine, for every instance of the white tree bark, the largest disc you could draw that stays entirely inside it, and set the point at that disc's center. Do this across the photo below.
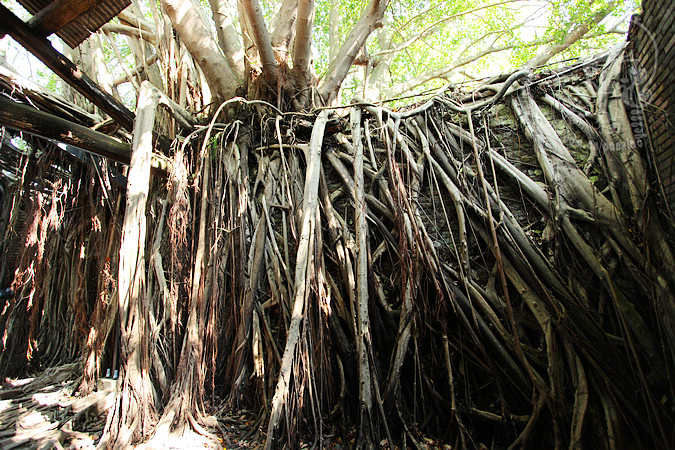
(134, 409)
(203, 48)
(130, 15)
(130, 31)
(379, 75)
(304, 261)
(102, 73)
(250, 52)
(302, 50)
(223, 16)
(362, 318)
(261, 39)
(282, 28)
(370, 19)
(142, 50)
(334, 29)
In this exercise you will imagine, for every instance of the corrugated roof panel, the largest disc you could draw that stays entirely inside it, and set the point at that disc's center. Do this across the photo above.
(33, 6)
(78, 30)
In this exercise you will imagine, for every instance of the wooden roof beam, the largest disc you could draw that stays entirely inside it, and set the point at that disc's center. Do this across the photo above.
(39, 123)
(64, 68)
(60, 13)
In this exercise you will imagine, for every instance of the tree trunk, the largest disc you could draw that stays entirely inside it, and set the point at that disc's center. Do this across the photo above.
(134, 412)
(203, 48)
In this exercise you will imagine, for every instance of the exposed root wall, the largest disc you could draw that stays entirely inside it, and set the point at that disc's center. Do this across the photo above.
(492, 274)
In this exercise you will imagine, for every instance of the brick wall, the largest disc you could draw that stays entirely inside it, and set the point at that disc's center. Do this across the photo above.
(652, 45)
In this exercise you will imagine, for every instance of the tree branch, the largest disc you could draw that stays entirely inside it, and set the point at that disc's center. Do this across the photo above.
(573, 36)
(261, 39)
(339, 67)
(282, 28)
(333, 29)
(445, 71)
(228, 38)
(302, 49)
(305, 260)
(130, 31)
(377, 75)
(137, 70)
(200, 43)
(401, 88)
(127, 15)
(429, 30)
(250, 53)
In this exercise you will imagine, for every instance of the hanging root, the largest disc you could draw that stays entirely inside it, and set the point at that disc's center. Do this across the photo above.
(477, 274)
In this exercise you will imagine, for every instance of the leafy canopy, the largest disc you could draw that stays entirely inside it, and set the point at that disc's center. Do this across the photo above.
(422, 45)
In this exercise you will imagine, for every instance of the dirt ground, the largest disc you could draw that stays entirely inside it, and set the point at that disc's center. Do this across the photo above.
(44, 412)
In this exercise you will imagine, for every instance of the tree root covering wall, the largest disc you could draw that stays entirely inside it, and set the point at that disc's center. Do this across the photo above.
(492, 274)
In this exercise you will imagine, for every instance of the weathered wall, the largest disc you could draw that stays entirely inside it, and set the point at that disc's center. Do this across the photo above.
(652, 37)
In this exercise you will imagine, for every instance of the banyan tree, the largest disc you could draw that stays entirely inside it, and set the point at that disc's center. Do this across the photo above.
(249, 258)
